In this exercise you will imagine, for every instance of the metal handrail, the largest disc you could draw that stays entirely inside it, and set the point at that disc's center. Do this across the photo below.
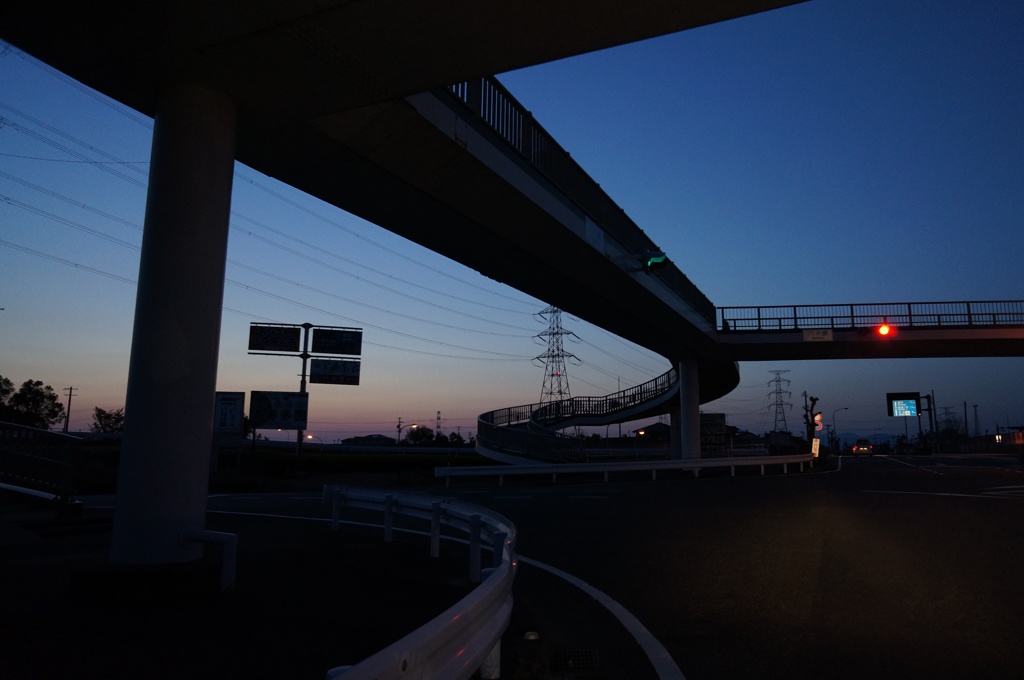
(38, 460)
(963, 314)
(529, 431)
(607, 468)
(503, 114)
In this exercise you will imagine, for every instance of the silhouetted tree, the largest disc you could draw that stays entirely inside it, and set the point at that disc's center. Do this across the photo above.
(420, 436)
(33, 405)
(107, 422)
(6, 390)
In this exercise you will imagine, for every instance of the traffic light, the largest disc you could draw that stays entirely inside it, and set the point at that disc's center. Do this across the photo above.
(817, 422)
(885, 330)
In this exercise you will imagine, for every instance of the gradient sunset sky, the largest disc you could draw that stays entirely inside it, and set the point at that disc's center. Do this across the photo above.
(829, 152)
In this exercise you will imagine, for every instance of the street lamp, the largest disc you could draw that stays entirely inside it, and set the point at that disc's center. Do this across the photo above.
(410, 427)
(835, 432)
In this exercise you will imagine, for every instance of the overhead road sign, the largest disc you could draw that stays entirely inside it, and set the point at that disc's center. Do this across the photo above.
(275, 338)
(337, 341)
(334, 371)
(278, 410)
(903, 404)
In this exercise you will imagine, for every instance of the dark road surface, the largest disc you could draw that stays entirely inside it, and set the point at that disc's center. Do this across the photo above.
(882, 568)
(886, 568)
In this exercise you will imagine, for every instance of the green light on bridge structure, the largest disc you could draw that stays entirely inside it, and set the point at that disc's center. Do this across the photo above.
(655, 260)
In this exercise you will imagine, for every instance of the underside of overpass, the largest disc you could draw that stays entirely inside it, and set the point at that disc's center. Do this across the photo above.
(327, 96)
(348, 102)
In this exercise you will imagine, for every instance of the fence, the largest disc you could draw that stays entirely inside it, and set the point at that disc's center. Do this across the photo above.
(528, 431)
(38, 461)
(605, 469)
(993, 313)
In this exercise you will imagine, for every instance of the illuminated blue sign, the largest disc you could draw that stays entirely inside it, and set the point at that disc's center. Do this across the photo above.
(903, 404)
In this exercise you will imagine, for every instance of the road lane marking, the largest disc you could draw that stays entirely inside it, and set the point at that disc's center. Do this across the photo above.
(938, 493)
(917, 467)
(664, 665)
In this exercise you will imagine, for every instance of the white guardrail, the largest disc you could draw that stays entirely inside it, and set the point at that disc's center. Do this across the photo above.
(466, 638)
(555, 469)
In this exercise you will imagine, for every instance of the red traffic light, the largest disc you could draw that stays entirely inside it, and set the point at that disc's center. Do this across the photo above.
(886, 330)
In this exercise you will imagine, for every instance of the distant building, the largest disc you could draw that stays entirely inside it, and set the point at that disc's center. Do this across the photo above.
(369, 440)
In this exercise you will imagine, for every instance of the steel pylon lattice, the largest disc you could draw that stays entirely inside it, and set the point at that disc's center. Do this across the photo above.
(556, 380)
(780, 395)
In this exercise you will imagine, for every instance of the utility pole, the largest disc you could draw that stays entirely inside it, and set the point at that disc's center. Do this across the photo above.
(67, 414)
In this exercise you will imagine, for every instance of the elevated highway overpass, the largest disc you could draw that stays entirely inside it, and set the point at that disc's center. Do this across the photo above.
(384, 109)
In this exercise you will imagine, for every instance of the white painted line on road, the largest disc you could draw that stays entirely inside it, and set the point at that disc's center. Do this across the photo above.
(1005, 491)
(664, 665)
(932, 493)
(918, 467)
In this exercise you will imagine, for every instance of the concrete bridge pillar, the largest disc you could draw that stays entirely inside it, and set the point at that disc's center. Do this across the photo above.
(164, 468)
(686, 423)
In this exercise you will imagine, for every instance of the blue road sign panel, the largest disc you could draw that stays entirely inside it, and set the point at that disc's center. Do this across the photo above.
(903, 404)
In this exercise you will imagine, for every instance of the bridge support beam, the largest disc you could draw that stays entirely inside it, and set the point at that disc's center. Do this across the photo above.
(163, 479)
(686, 422)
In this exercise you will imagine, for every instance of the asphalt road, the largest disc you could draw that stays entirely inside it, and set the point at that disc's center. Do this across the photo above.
(884, 568)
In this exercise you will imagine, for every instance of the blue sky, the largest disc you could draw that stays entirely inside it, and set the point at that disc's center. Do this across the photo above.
(831, 152)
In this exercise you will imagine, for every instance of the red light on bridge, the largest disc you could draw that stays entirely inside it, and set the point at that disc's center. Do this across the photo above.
(885, 330)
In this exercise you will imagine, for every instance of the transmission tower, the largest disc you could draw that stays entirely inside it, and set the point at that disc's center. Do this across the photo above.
(780, 395)
(556, 380)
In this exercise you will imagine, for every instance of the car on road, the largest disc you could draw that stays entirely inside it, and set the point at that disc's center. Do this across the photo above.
(862, 447)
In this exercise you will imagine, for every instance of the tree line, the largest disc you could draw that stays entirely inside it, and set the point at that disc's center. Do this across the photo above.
(34, 404)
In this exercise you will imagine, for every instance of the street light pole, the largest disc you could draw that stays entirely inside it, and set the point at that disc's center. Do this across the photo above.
(400, 427)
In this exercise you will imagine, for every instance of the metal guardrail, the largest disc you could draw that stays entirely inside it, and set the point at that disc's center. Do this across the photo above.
(38, 461)
(981, 314)
(488, 99)
(605, 469)
(465, 639)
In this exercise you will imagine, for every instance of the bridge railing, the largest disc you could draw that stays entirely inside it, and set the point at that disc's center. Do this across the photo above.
(992, 313)
(38, 460)
(553, 412)
(506, 432)
(528, 431)
(496, 107)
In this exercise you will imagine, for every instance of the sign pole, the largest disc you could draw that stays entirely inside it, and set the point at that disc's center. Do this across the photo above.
(302, 387)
